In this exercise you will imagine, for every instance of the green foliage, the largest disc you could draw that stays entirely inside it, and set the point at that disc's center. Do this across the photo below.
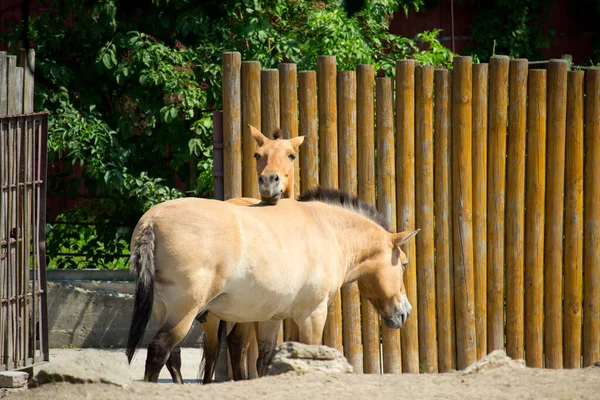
(130, 90)
(511, 27)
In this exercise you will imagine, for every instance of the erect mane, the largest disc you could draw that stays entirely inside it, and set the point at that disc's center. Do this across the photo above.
(339, 198)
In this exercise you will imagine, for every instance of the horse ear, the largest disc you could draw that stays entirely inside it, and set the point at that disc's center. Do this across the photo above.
(402, 237)
(297, 141)
(258, 137)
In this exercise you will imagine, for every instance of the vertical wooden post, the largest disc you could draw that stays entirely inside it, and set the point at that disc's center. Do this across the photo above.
(289, 111)
(534, 218)
(480, 141)
(555, 190)
(27, 62)
(328, 170)
(250, 115)
(232, 129)
(591, 245)
(428, 357)
(269, 98)
(496, 180)
(365, 122)
(14, 77)
(351, 328)
(386, 192)
(3, 84)
(462, 182)
(443, 240)
(309, 156)
(405, 203)
(573, 221)
(515, 208)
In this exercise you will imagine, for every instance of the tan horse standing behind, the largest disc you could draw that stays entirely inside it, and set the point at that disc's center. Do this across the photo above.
(260, 263)
(275, 169)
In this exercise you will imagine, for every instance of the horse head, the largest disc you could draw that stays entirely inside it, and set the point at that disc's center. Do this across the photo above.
(275, 165)
(384, 285)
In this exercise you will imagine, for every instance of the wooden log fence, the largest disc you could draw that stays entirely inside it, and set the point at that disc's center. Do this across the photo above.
(496, 164)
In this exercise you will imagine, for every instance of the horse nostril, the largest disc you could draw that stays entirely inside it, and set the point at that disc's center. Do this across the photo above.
(274, 178)
(261, 180)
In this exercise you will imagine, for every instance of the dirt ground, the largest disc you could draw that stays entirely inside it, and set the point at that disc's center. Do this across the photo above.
(506, 382)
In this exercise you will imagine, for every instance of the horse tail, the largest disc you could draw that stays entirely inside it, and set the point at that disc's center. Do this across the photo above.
(142, 263)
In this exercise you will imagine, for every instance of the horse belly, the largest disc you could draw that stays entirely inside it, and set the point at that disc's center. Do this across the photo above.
(250, 304)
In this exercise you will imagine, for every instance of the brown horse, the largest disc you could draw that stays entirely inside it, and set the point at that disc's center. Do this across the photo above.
(260, 263)
(275, 169)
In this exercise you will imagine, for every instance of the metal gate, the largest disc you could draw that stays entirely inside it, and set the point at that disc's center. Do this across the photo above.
(23, 310)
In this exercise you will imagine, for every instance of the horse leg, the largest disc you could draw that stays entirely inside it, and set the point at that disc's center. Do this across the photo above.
(211, 346)
(238, 342)
(311, 329)
(159, 350)
(291, 330)
(174, 365)
(252, 353)
(267, 340)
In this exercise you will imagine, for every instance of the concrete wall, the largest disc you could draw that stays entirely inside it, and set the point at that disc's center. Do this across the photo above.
(93, 313)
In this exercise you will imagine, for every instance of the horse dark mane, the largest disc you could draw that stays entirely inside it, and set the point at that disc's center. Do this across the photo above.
(339, 198)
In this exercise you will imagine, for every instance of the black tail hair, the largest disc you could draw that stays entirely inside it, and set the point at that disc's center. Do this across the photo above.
(142, 262)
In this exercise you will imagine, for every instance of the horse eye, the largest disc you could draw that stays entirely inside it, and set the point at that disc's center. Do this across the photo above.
(256, 155)
(292, 157)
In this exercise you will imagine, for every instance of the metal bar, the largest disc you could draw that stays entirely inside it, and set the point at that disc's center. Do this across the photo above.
(3, 255)
(43, 162)
(12, 333)
(35, 261)
(22, 184)
(18, 231)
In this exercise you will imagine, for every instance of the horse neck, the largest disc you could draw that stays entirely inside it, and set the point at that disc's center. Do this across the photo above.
(289, 192)
(361, 242)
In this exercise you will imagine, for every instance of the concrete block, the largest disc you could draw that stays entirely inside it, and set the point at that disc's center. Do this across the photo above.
(13, 379)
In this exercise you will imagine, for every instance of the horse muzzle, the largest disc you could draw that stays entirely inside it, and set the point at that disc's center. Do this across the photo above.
(400, 314)
(270, 188)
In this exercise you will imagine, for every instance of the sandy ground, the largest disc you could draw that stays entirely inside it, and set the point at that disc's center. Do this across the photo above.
(506, 382)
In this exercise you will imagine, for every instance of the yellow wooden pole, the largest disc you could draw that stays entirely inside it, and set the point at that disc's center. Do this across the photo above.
(555, 190)
(351, 328)
(288, 96)
(591, 233)
(442, 204)
(497, 121)
(250, 115)
(386, 195)
(232, 129)
(309, 127)
(365, 121)
(534, 218)
(573, 222)
(428, 356)
(462, 182)
(328, 170)
(480, 140)
(515, 208)
(405, 203)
